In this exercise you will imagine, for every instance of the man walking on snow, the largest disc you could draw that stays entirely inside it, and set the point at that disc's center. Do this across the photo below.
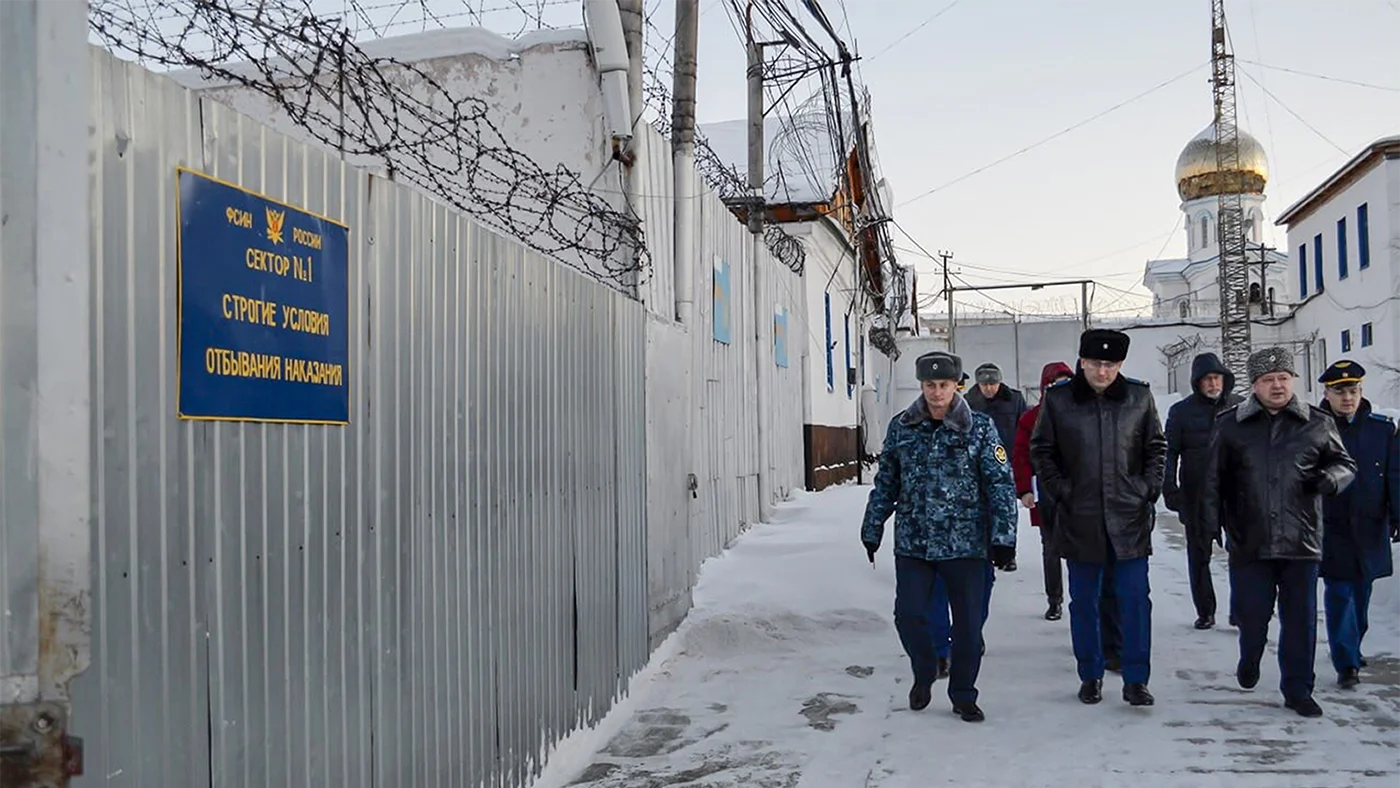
(1098, 454)
(944, 469)
(1271, 458)
(1189, 424)
(1051, 374)
(1361, 522)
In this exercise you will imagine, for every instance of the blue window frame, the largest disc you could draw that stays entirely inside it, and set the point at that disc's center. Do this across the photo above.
(830, 362)
(1302, 271)
(1363, 237)
(1342, 248)
(850, 379)
(1317, 262)
(1346, 340)
(1367, 335)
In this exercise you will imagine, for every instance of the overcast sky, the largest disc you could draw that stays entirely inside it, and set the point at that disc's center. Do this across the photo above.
(955, 96)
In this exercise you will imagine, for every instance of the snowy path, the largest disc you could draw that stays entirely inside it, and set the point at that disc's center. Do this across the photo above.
(788, 674)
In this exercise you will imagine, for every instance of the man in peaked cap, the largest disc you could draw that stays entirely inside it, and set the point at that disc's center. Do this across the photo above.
(1098, 453)
(945, 471)
(1270, 459)
(1361, 522)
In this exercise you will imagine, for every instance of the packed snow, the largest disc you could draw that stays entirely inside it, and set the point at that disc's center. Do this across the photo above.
(788, 674)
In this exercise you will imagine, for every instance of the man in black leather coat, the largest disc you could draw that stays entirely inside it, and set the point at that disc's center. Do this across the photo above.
(1099, 454)
(1272, 457)
(1189, 424)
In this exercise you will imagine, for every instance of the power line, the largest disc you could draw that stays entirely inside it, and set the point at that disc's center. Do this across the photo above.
(1290, 111)
(1057, 135)
(919, 27)
(1341, 80)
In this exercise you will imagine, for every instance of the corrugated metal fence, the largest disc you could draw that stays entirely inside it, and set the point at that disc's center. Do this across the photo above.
(430, 596)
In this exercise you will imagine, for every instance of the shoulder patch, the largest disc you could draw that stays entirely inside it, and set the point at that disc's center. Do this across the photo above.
(1136, 381)
(1382, 418)
(1000, 454)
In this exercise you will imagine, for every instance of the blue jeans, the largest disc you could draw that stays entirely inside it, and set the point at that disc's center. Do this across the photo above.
(1348, 607)
(938, 617)
(964, 580)
(1132, 593)
(1293, 585)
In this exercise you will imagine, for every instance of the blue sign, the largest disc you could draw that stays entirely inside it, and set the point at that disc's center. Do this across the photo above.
(780, 336)
(264, 306)
(720, 305)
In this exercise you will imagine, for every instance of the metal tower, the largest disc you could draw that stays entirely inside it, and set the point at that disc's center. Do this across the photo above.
(1234, 267)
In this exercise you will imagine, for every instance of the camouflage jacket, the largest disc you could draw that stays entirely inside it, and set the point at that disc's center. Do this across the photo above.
(949, 487)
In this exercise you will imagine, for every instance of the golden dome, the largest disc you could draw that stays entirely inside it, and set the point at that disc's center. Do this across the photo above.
(1198, 174)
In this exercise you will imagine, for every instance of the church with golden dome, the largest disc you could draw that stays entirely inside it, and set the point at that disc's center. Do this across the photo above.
(1186, 288)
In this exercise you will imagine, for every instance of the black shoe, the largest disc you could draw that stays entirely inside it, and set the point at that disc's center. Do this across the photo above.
(1364, 663)
(1205, 622)
(968, 711)
(1091, 692)
(1348, 678)
(1247, 675)
(942, 664)
(1137, 695)
(1054, 612)
(1113, 663)
(1306, 707)
(1010, 567)
(919, 696)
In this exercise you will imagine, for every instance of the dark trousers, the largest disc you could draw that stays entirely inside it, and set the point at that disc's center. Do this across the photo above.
(1133, 599)
(965, 580)
(1054, 577)
(1348, 607)
(1293, 584)
(1198, 549)
(938, 616)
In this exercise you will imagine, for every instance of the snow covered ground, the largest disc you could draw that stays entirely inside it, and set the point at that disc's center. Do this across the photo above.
(788, 674)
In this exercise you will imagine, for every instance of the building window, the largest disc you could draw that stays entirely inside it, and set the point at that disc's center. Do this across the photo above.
(1346, 340)
(850, 378)
(1317, 262)
(1366, 335)
(1205, 230)
(1342, 248)
(1302, 270)
(1185, 308)
(1363, 237)
(830, 365)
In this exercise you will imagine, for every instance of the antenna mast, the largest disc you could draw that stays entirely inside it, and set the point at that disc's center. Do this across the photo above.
(1234, 267)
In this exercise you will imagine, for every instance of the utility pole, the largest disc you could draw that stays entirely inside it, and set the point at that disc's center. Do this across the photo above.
(683, 154)
(758, 253)
(948, 292)
(1084, 303)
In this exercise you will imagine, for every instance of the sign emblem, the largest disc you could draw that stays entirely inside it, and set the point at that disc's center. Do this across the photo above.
(1000, 453)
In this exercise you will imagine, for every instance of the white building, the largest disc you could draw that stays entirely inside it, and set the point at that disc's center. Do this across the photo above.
(1187, 288)
(1345, 238)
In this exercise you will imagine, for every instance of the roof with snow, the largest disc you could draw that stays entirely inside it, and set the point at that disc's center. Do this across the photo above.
(1179, 266)
(1360, 164)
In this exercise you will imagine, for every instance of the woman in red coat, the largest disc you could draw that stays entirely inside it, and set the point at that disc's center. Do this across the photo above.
(1052, 374)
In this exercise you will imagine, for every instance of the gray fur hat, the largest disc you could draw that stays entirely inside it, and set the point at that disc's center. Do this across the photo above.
(1269, 360)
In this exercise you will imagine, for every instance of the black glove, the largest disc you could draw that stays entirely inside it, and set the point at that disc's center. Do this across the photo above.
(1003, 556)
(870, 550)
(1321, 484)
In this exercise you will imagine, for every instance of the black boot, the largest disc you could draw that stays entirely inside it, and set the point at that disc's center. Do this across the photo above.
(1054, 612)
(942, 664)
(968, 711)
(1205, 622)
(1091, 692)
(919, 696)
(1306, 707)
(1137, 695)
(1348, 678)
(1247, 675)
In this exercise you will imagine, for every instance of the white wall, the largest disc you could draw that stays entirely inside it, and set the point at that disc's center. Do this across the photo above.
(828, 254)
(1364, 296)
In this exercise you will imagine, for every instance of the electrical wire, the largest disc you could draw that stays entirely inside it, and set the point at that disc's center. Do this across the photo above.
(1290, 111)
(1340, 80)
(914, 30)
(1056, 135)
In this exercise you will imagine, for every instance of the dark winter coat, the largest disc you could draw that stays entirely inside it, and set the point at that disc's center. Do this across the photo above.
(1358, 522)
(1189, 424)
(1005, 408)
(1021, 469)
(1099, 460)
(1266, 477)
(948, 486)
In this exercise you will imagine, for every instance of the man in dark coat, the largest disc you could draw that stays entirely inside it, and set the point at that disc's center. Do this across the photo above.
(1099, 454)
(946, 478)
(1189, 424)
(1271, 458)
(996, 399)
(1361, 522)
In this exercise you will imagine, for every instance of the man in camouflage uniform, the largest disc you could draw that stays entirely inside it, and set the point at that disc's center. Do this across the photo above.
(944, 471)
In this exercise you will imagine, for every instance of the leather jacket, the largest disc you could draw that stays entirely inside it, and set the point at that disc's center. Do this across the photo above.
(1100, 459)
(1266, 478)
